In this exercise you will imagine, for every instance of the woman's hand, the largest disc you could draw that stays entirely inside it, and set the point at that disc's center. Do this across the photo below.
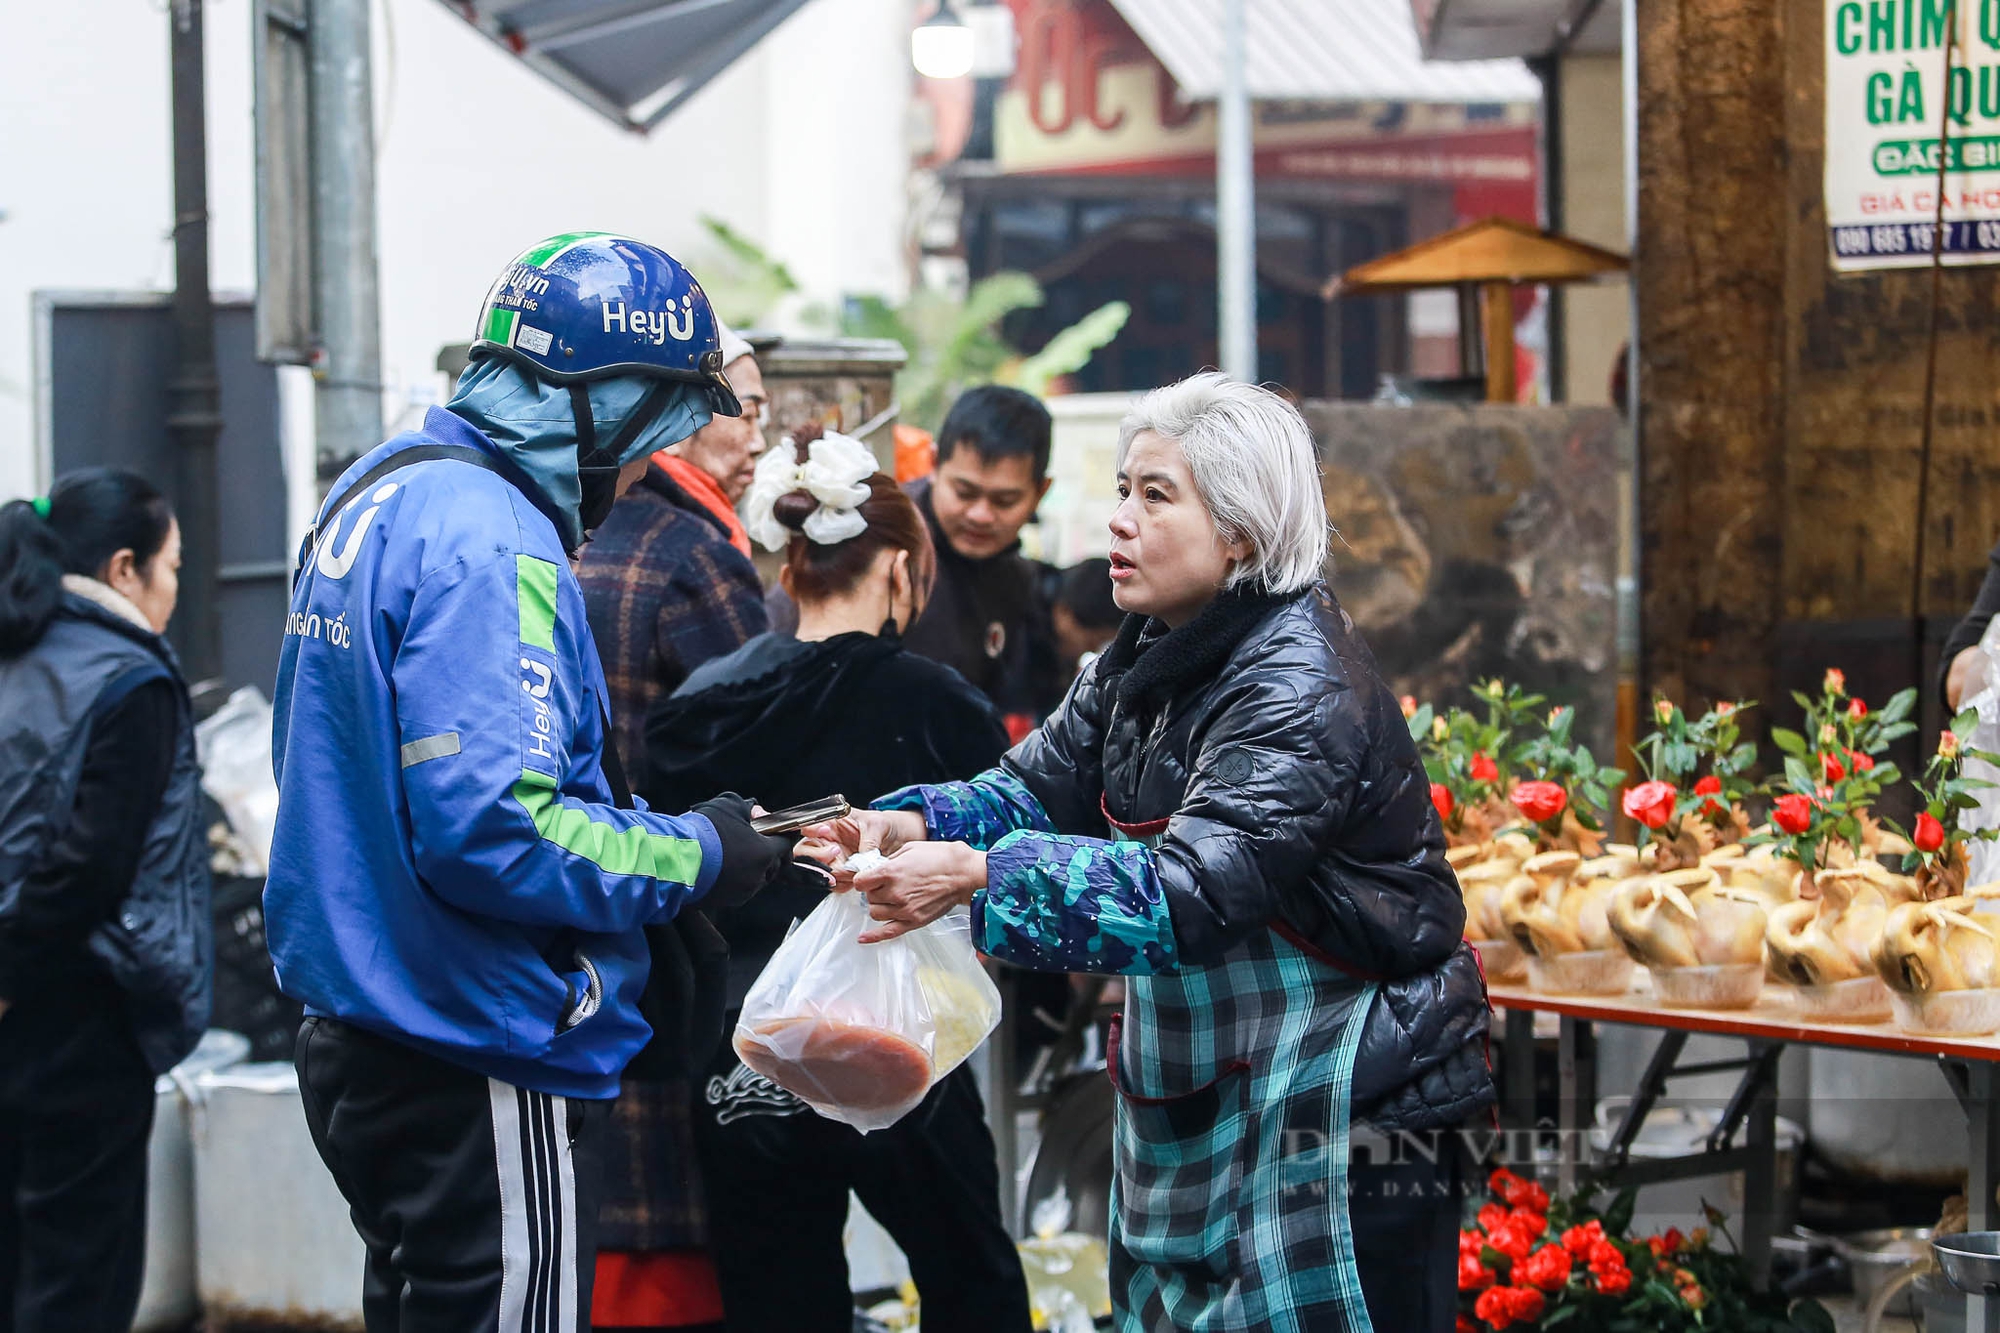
(884, 831)
(919, 884)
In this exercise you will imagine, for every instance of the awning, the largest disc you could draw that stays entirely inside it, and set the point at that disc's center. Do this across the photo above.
(1325, 51)
(633, 60)
(1490, 250)
(1483, 29)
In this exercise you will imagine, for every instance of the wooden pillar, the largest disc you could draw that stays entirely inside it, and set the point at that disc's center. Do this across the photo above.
(1781, 405)
(1710, 268)
(1498, 318)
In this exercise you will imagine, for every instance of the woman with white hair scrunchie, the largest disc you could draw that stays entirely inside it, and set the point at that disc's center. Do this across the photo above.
(842, 707)
(1228, 809)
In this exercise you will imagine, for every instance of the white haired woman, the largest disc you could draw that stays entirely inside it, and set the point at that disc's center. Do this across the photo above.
(1228, 810)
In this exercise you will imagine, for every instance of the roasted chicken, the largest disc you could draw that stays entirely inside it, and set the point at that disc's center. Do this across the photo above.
(1688, 919)
(1937, 946)
(1549, 911)
(1816, 943)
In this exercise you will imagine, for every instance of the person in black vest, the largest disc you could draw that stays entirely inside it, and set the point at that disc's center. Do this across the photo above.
(845, 708)
(988, 618)
(105, 948)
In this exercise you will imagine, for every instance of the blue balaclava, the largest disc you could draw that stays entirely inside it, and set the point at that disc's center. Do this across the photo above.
(533, 422)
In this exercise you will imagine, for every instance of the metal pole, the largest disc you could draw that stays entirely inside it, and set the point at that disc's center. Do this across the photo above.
(347, 363)
(1630, 644)
(1235, 204)
(194, 399)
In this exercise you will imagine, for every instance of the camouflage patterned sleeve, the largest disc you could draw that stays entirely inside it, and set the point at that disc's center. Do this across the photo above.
(1063, 904)
(979, 812)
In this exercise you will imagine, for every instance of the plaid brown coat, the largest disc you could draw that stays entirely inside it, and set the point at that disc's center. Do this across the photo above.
(665, 592)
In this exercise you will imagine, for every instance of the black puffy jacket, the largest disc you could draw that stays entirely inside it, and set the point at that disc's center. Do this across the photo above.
(1299, 805)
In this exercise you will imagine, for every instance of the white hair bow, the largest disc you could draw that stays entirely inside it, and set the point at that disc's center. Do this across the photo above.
(835, 473)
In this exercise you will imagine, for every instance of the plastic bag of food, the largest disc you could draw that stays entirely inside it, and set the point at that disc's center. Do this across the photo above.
(860, 1032)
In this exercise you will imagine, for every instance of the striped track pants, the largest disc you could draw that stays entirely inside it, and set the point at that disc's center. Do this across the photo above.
(476, 1200)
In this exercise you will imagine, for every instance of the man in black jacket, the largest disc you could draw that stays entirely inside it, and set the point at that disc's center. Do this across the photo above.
(988, 616)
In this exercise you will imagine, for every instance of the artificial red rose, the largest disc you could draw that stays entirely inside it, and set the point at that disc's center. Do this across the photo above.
(1835, 682)
(1663, 709)
(1698, 1238)
(1831, 766)
(1441, 798)
(1473, 1275)
(1540, 801)
(1858, 762)
(1612, 1281)
(1578, 1240)
(1651, 803)
(1504, 1182)
(1675, 1241)
(1928, 834)
(1603, 1254)
(1856, 709)
(1947, 744)
(1494, 1308)
(1693, 1295)
(1465, 1324)
(1547, 1268)
(1710, 786)
(1409, 705)
(1492, 1215)
(1792, 814)
(1657, 1244)
(1532, 1197)
(1512, 1240)
(1483, 769)
(1525, 1304)
(1536, 1224)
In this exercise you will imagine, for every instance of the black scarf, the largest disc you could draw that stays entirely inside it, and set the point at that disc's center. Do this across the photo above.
(1147, 665)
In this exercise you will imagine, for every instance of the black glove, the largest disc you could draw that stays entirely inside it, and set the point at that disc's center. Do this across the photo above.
(750, 860)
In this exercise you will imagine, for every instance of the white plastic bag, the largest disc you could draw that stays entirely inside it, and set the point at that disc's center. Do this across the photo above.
(860, 1032)
(234, 747)
(1983, 858)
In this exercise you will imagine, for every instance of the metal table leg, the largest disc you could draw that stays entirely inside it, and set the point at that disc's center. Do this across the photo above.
(1982, 1173)
(1760, 1174)
(1570, 1038)
(1520, 1058)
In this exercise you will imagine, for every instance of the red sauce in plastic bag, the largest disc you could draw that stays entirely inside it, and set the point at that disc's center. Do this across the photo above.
(842, 1064)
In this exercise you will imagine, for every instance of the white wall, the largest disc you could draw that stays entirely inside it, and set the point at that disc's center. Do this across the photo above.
(800, 144)
(1599, 314)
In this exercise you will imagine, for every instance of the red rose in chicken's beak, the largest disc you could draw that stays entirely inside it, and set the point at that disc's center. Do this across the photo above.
(1540, 801)
(1651, 803)
(1928, 835)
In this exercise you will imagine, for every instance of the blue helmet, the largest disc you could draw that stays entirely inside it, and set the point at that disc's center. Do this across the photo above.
(591, 305)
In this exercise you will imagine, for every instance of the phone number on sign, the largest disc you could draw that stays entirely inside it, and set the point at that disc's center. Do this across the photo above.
(1914, 238)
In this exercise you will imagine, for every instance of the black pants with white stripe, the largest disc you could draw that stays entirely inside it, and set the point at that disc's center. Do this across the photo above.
(477, 1200)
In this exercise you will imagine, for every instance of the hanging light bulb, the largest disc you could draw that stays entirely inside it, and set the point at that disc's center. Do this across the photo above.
(941, 46)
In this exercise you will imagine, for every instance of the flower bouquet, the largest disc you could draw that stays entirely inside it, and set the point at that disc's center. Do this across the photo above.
(1564, 790)
(1529, 1262)
(1840, 744)
(1938, 846)
(1688, 817)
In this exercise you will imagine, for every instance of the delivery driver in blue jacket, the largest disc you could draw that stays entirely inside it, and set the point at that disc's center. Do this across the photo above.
(457, 893)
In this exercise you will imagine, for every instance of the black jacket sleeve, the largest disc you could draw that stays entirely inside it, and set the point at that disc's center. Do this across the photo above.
(1062, 761)
(1968, 632)
(87, 870)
